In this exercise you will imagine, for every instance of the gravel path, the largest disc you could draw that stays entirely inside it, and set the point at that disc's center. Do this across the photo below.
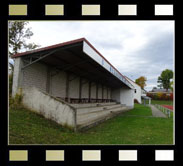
(157, 113)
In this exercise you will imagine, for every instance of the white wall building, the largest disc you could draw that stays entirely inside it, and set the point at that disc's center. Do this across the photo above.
(138, 91)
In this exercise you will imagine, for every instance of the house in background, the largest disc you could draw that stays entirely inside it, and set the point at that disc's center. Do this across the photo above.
(156, 90)
(160, 94)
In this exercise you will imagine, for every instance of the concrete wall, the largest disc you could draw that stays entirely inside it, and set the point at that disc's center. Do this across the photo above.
(115, 94)
(58, 84)
(138, 93)
(105, 92)
(73, 86)
(99, 91)
(124, 96)
(49, 107)
(109, 93)
(93, 90)
(127, 97)
(35, 75)
(85, 89)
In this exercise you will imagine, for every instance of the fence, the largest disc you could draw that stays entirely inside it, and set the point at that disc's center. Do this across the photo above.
(163, 109)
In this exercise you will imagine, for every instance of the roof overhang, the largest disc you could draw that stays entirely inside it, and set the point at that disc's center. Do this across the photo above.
(78, 57)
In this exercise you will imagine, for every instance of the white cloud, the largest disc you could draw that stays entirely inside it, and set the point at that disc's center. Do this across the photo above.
(135, 48)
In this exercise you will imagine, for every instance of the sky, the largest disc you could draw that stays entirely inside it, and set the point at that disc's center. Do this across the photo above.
(135, 48)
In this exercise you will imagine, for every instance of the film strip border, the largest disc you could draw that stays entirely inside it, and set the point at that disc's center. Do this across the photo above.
(90, 10)
(89, 155)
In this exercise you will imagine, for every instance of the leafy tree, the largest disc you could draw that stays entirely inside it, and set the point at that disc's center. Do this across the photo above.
(164, 79)
(18, 34)
(171, 85)
(141, 81)
(160, 86)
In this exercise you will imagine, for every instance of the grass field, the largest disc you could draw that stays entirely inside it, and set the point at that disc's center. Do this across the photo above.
(26, 127)
(161, 102)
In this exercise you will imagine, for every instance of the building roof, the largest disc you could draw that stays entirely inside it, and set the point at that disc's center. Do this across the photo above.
(145, 97)
(86, 48)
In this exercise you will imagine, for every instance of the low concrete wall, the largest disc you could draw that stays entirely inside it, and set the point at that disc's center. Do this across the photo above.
(50, 107)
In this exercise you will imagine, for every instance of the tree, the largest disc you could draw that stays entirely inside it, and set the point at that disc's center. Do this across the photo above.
(141, 81)
(171, 85)
(164, 79)
(160, 86)
(18, 34)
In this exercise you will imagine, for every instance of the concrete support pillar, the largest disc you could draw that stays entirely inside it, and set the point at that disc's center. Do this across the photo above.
(102, 93)
(67, 87)
(96, 91)
(48, 80)
(17, 75)
(110, 93)
(149, 101)
(80, 88)
(107, 92)
(144, 101)
(89, 93)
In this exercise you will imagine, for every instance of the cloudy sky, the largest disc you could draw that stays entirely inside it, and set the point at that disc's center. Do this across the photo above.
(135, 48)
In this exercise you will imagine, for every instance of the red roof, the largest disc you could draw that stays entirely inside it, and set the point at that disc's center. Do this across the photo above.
(64, 44)
(48, 47)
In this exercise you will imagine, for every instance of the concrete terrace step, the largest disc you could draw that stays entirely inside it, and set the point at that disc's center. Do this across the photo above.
(99, 110)
(85, 105)
(99, 119)
(94, 109)
(84, 119)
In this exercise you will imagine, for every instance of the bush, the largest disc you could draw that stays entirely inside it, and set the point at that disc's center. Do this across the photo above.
(16, 102)
(155, 96)
(171, 96)
(164, 96)
(160, 96)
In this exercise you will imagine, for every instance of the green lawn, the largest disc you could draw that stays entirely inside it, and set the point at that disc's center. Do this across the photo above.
(140, 110)
(26, 127)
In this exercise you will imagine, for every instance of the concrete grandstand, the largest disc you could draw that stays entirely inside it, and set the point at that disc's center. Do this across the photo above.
(72, 84)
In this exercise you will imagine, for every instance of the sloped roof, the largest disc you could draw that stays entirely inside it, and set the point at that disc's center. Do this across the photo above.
(80, 40)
